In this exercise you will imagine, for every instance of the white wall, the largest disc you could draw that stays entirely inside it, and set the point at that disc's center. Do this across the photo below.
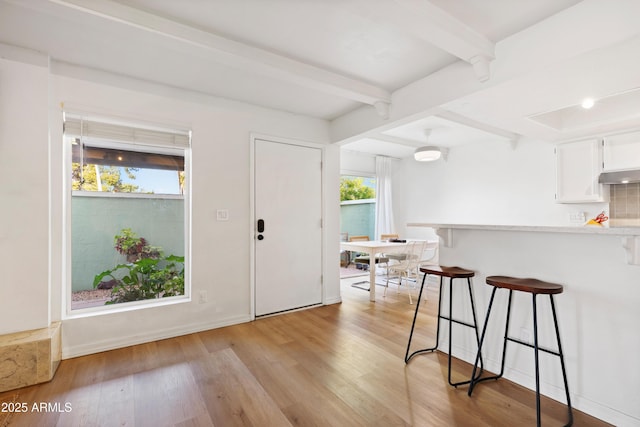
(24, 295)
(598, 314)
(331, 200)
(220, 250)
(486, 184)
(30, 103)
(357, 164)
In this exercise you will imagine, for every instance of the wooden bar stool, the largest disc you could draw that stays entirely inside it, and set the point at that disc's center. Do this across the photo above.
(534, 287)
(451, 273)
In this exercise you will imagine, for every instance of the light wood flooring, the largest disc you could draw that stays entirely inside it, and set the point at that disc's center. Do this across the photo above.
(340, 365)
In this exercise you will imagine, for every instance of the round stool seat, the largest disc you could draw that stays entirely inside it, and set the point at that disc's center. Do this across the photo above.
(452, 272)
(533, 286)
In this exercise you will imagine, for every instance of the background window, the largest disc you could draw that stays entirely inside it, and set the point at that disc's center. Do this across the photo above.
(358, 206)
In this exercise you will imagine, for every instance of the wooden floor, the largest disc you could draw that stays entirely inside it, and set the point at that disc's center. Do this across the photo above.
(340, 365)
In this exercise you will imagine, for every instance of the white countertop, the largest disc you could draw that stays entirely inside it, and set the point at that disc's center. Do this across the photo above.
(630, 235)
(588, 229)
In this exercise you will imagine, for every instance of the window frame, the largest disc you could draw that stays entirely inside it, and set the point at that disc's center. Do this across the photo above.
(69, 193)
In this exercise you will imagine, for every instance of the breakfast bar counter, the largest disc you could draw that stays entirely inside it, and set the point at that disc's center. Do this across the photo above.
(599, 268)
(616, 231)
(630, 235)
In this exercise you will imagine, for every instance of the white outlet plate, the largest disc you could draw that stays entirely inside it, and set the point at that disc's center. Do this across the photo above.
(577, 218)
(222, 215)
(202, 297)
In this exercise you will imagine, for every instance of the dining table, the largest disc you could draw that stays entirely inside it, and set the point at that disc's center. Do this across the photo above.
(373, 248)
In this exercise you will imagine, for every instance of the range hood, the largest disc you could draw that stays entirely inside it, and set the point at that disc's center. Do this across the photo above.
(620, 177)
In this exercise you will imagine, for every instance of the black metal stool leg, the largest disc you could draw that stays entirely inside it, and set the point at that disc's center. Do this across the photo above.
(561, 354)
(475, 323)
(450, 329)
(506, 335)
(535, 352)
(435, 347)
(475, 380)
(413, 325)
(452, 321)
(415, 316)
(425, 350)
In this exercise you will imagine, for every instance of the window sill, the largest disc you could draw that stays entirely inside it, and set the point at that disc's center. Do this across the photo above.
(124, 307)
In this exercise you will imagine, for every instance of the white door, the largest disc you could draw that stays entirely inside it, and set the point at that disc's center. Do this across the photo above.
(288, 226)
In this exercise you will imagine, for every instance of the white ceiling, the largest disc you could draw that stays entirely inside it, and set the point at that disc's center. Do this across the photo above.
(381, 71)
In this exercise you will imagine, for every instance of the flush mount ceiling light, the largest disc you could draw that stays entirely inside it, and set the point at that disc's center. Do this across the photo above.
(427, 154)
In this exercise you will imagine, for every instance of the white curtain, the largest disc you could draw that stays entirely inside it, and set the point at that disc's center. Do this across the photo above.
(384, 206)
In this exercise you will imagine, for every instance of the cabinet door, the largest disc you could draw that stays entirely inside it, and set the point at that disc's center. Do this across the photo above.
(578, 165)
(622, 152)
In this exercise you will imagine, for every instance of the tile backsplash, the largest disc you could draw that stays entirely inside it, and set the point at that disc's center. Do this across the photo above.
(624, 205)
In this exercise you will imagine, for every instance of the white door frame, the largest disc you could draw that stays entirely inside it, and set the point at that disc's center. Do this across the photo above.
(252, 210)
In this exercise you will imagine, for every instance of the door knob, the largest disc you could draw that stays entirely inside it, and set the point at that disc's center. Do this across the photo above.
(260, 225)
(260, 237)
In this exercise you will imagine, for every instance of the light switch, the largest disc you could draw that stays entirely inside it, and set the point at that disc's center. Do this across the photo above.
(222, 214)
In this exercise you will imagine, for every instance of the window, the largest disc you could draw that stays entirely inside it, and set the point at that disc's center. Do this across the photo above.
(357, 205)
(124, 171)
(129, 212)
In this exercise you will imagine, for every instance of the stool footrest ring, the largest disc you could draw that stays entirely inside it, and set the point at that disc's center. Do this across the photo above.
(555, 353)
(459, 322)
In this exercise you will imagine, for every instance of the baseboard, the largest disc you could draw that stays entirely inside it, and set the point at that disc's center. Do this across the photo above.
(120, 342)
(335, 300)
(554, 392)
(604, 413)
(583, 404)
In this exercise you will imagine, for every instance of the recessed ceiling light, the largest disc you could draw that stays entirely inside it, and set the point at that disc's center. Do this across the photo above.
(587, 103)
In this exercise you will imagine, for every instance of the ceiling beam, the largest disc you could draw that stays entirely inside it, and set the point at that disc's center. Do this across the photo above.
(457, 118)
(396, 140)
(237, 55)
(438, 28)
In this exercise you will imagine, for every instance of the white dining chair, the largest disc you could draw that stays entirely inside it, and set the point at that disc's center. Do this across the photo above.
(408, 268)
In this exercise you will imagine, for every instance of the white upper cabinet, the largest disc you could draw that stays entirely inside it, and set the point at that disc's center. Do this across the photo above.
(578, 165)
(622, 152)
